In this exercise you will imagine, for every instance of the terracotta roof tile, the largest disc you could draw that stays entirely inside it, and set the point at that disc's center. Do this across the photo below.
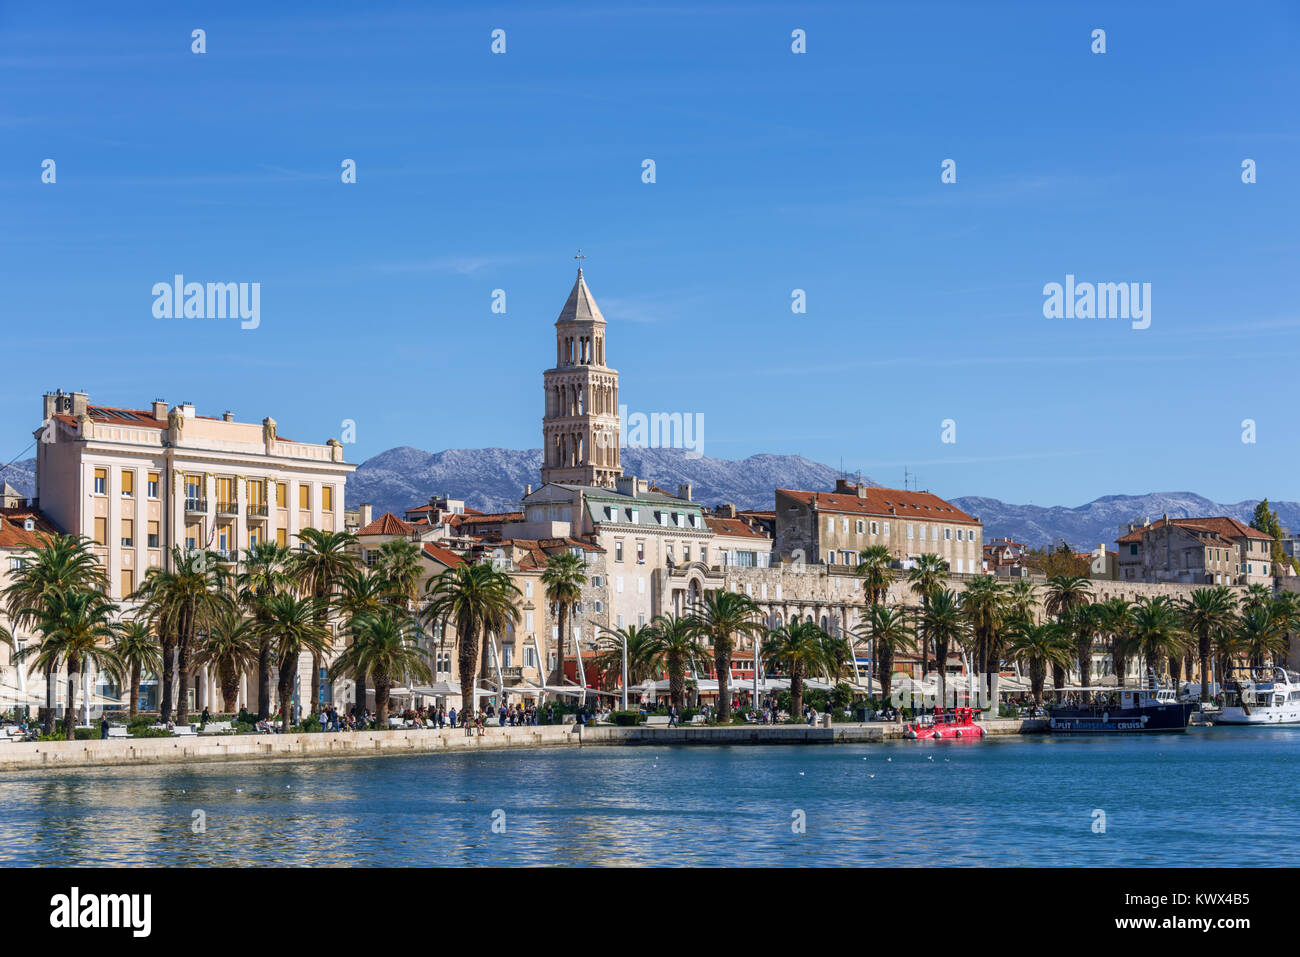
(387, 524)
(885, 502)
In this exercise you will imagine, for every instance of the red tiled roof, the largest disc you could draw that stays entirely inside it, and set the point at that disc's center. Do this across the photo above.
(444, 555)
(387, 524)
(732, 526)
(884, 502)
(14, 535)
(1219, 526)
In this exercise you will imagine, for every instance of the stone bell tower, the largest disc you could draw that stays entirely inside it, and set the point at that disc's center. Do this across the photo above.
(580, 430)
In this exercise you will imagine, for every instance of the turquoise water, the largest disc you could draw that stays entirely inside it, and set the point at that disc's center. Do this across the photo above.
(1208, 797)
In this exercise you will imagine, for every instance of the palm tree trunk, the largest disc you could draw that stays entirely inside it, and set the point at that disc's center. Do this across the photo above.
(1085, 665)
(264, 679)
(183, 675)
(288, 667)
(168, 681)
(1058, 680)
(941, 659)
(885, 667)
(135, 691)
(70, 715)
(359, 679)
(722, 664)
(796, 693)
(382, 684)
(1037, 676)
(315, 681)
(468, 660)
(229, 689)
(561, 616)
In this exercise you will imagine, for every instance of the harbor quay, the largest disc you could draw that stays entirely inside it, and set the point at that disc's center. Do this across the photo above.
(48, 755)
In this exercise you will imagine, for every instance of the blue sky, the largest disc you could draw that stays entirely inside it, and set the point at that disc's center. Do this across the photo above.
(775, 171)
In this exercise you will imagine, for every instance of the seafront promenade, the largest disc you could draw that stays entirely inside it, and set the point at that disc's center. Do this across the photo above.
(44, 755)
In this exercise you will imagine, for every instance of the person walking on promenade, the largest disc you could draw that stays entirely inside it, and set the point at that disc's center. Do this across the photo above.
(672, 716)
(103, 727)
(453, 716)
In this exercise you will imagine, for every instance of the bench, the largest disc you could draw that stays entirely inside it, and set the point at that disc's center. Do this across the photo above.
(657, 721)
(117, 731)
(697, 719)
(216, 727)
(183, 730)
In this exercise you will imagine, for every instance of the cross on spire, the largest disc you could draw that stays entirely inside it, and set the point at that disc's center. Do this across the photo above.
(580, 257)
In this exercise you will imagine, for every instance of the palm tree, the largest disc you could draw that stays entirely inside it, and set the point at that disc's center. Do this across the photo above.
(362, 592)
(180, 602)
(1064, 594)
(386, 645)
(1157, 630)
(1039, 647)
(925, 577)
(474, 599)
(1261, 633)
(55, 563)
(231, 646)
(671, 643)
(887, 626)
(1116, 620)
(609, 660)
(139, 652)
(265, 574)
(321, 562)
(944, 625)
(563, 577)
(399, 564)
(1084, 623)
(1207, 612)
(72, 626)
(719, 618)
(294, 626)
(876, 570)
(800, 650)
(985, 606)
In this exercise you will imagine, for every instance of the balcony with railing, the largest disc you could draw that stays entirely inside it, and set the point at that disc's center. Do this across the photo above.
(258, 510)
(227, 508)
(196, 505)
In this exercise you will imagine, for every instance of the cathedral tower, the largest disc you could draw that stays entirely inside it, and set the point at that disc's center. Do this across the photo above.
(580, 431)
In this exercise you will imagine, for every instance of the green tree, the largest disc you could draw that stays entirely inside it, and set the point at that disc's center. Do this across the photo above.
(1157, 630)
(609, 657)
(800, 650)
(1116, 621)
(230, 646)
(888, 628)
(474, 599)
(924, 579)
(264, 574)
(719, 618)
(875, 568)
(1206, 612)
(295, 627)
(139, 652)
(362, 592)
(180, 602)
(320, 564)
(1064, 594)
(946, 627)
(1265, 520)
(986, 607)
(563, 578)
(73, 627)
(671, 643)
(385, 645)
(1039, 647)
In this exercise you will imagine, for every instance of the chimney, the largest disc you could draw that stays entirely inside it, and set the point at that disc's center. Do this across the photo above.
(367, 515)
(227, 416)
(528, 490)
(49, 405)
(187, 409)
(844, 487)
(79, 401)
(725, 511)
(160, 409)
(684, 491)
(861, 490)
(625, 484)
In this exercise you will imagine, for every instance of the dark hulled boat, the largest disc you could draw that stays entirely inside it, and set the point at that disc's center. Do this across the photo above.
(1125, 711)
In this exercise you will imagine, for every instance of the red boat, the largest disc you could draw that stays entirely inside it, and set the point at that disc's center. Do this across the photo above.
(957, 723)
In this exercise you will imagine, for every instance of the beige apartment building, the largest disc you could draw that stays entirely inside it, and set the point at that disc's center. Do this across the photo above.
(140, 481)
(1219, 550)
(832, 528)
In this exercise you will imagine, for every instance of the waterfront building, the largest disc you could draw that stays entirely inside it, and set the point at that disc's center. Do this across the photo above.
(138, 482)
(1217, 550)
(832, 528)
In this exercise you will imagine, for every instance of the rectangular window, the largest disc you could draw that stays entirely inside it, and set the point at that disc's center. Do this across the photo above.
(947, 534)
(640, 553)
(153, 484)
(281, 537)
(830, 523)
(304, 497)
(254, 537)
(101, 481)
(281, 495)
(636, 516)
(256, 493)
(128, 581)
(128, 483)
(618, 550)
(830, 558)
(640, 585)
(922, 533)
(327, 498)
(101, 531)
(886, 528)
(910, 529)
(193, 487)
(861, 526)
(528, 621)
(686, 553)
(875, 528)
(1133, 549)
(192, 535)
(153, 534)
(669, 551)
(618, 584)
(844, 525)
(620, 621)
(704, 554)
(528, 589)
(128, 533)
